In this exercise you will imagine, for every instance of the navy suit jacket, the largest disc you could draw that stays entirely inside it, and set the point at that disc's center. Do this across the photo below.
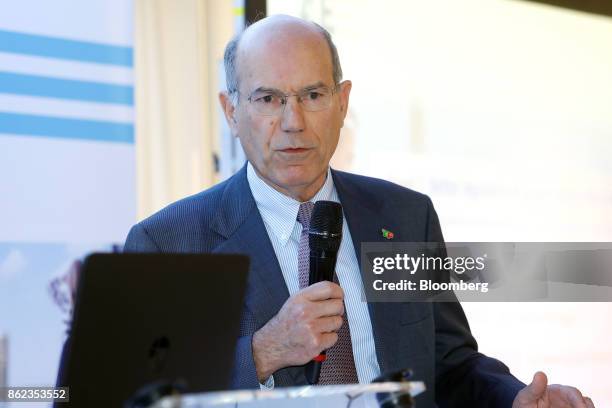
(433, 339)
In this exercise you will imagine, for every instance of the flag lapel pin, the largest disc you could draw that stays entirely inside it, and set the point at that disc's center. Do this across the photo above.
(387, 234)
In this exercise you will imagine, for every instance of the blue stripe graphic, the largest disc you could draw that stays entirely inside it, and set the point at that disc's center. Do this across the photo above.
(31, 125)
(65, 88)
(54, 47)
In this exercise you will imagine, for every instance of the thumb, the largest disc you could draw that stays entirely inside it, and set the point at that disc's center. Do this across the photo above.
(537, 388)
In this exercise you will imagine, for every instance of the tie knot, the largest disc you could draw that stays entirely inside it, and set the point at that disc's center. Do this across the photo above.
(304, 214)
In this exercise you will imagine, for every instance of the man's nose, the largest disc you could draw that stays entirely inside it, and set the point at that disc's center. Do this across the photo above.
(292, 116)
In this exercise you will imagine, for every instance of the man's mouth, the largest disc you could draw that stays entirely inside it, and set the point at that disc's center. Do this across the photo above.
(295, 150)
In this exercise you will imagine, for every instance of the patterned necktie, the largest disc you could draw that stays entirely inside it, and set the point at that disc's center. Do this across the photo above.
(339, 367)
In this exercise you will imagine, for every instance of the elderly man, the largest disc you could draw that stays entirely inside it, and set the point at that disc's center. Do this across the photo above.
(286, 102)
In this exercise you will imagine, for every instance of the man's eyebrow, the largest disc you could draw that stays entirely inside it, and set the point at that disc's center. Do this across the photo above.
(314, 86)
(266, 89)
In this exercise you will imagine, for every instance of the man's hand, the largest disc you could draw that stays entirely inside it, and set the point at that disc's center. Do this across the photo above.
(306, 325)
(540, 395)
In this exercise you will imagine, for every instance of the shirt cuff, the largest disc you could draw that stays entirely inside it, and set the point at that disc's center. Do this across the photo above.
(268, 385)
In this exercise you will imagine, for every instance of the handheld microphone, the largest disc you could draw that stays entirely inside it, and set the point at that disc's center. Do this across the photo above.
(324, 236)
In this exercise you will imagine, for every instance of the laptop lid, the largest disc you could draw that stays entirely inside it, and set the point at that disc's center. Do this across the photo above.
(141, 319)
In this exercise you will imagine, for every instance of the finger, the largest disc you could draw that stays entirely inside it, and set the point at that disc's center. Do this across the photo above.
(329, 307)
(574, 396)
(329, 324)
(300, 310)
(328, 340)
(589, 402)
(537, 388)
(323, 290)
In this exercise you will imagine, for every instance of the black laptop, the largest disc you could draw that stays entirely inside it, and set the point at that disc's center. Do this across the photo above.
(153, 321)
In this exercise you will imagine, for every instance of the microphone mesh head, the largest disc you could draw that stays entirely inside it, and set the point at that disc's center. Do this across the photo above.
(326, 226)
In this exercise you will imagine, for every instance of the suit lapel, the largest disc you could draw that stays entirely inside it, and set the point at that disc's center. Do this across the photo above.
(239, 221)
(365, 219)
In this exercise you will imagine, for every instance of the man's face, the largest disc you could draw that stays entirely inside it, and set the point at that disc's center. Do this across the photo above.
(291, 150)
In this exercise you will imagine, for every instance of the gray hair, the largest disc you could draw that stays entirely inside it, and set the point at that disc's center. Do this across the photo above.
(231, 51)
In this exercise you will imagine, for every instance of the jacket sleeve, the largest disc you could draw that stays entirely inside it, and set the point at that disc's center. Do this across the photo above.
(465, 377)
(244, 375)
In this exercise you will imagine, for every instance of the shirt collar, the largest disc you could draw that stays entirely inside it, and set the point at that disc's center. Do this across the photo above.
(278, 210)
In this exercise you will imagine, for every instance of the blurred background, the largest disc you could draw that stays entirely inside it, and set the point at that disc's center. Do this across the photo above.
(500, 110)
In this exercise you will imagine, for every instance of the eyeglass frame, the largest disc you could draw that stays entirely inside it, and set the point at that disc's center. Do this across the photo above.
(285, 96)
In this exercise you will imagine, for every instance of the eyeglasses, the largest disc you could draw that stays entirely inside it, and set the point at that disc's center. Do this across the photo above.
(271, 102)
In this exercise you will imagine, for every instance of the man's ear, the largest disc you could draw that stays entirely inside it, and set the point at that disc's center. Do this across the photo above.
(344, 93)
(230, 111)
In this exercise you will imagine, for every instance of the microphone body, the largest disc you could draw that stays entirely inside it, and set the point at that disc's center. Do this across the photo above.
(322, 266)
(324, 236)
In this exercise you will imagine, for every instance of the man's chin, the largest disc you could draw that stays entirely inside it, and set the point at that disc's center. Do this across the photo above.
(299, 178)
(292, 183)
